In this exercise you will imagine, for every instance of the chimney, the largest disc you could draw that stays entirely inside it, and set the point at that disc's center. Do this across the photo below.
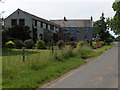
(65, 19)
(91, 18)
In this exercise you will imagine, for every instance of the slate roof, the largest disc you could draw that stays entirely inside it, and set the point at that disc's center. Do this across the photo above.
(74, 22)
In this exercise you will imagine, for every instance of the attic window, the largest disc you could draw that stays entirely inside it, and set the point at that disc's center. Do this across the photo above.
(14, 22)
(22, 22)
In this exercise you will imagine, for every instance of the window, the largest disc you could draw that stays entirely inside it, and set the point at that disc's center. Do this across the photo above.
(46, 26)
(85, 37)
(86, 30)
(77, 31)
(14, 22)
(21, 21)
(51, 27)
(36, 23)
(72, 30)
(67, 28)
(41, 24)
(73, 38)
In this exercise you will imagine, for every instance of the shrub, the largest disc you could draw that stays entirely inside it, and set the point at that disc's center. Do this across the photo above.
(60, 44)
(29, 44)
(68, 53)
(73, 44)
(83, 43)
(18, 44)
(94, 45)
(9, 44)
(40, 44)
(102, 43)
(84, 52)
(58, 57)
(99, 45)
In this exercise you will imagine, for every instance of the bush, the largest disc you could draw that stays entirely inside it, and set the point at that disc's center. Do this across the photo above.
(67, 53)
(83, 43)
(18, 44)
(40, 44)
(102, 43)
(97, 45)
(94, 46)
(84, 52)
(60, 44)
(9, 44)
(73, 44)
(29, 44)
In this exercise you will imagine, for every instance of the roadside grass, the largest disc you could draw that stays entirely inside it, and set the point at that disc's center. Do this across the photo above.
(104, 48)
(41, 66)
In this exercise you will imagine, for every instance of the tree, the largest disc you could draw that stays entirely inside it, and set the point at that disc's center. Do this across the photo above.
(115, 22)
(100, 28)
(117, 38)
(19, 32)
(96, 28)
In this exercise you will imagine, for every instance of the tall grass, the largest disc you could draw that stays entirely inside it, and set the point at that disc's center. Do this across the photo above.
(40, 66)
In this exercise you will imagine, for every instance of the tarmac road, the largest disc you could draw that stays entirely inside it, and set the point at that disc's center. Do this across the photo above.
(102, 72)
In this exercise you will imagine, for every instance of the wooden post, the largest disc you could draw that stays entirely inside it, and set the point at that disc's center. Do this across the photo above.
(52, 47)
(23, 54)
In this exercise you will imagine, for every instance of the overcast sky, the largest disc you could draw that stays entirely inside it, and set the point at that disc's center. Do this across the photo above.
(57, 9)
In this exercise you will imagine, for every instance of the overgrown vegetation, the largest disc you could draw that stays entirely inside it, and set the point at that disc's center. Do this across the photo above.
(40, 44)
(29, 44)
(41, 66)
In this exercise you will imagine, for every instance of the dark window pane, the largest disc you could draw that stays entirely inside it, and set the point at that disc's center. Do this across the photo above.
(85, 37)
(46, 26)
(52, 27)
(41, 24)
(21, 21)
(35, 22)
(14, 22)
(86, 30)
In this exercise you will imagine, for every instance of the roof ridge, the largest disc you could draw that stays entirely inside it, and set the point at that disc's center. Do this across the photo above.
(72, 20)
(40, 18)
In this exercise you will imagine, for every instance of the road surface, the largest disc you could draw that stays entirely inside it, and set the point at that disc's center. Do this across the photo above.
(102, 72)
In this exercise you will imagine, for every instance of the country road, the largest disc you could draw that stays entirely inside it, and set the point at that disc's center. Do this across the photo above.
(102, 72)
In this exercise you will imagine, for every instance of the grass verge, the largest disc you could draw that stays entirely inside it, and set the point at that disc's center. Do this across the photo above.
(41, 66)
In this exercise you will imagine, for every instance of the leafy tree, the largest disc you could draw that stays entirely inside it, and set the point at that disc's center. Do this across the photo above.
(115, 22)
(100, 29)
(117, 38)
(19, 32)
(96, 28)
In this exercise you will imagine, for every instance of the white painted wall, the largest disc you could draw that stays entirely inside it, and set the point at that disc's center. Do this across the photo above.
(39, 30)
(21, 15)
(48, 27)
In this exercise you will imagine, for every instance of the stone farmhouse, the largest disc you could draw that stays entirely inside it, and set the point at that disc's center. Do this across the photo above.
(79, 29)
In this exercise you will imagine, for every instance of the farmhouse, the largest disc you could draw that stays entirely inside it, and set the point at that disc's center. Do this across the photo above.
(41, 29)
(79, 29)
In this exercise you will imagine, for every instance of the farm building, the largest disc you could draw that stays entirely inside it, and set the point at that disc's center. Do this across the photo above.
(41, 29)
(79, 29)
